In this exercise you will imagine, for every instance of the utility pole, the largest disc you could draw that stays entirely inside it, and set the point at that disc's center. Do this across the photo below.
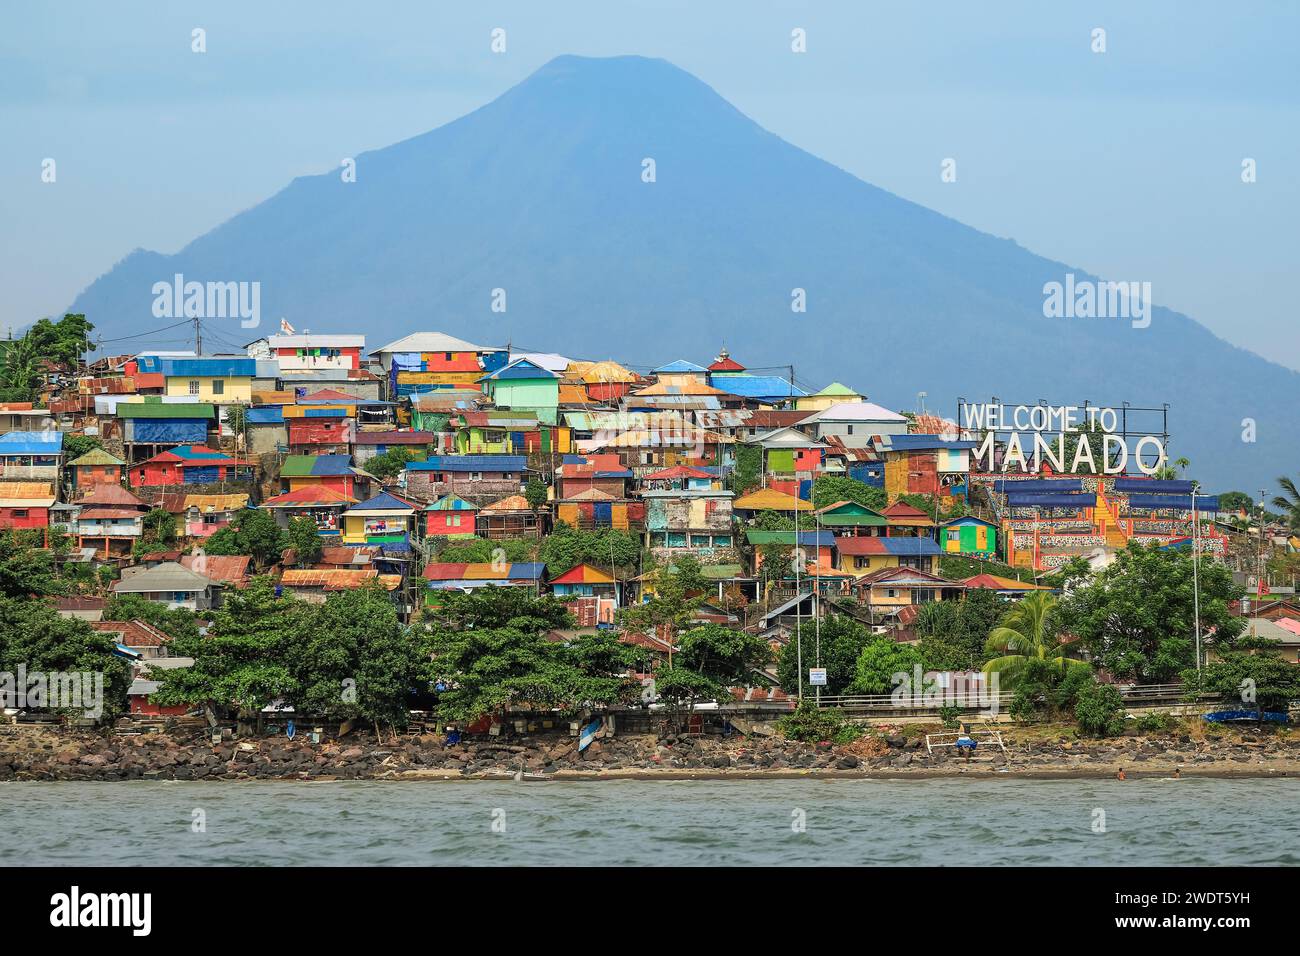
(198, 337)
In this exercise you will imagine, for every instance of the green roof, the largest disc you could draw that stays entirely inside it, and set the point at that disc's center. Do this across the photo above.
(835, 388)
(97, 456)
(159, 410)
(716, 572)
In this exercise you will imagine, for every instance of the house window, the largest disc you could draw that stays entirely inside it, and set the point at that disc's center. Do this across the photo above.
(218, 387)
(862, 562)
(722, 540)
(194, 387)
(180, 595)
(891, 593)
(699, 541)
(20, 512)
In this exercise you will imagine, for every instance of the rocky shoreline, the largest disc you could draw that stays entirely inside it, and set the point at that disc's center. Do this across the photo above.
(44, 754)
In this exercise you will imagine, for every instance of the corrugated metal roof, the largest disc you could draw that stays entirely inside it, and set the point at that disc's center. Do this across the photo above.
(459, 463)
(901, 547)
(31, 443)
(218, 366)
(307, 466)
(164, 410)
(820, 539)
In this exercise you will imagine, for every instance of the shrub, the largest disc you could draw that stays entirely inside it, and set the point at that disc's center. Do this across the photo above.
(1154, 722)
(813, 724)
(950, 714)
(1097, 709)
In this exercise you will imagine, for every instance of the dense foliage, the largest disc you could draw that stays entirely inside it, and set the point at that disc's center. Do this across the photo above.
(1136, 618)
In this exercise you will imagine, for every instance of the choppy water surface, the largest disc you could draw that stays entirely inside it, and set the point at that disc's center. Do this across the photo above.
(633, 823)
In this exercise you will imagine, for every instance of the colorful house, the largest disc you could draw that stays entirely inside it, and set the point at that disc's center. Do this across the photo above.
(604, 473)
(297, 353)
(450, 517)
(369, 444)
(171, 584)
(603, 382)
(969, 535)
(189, 465)
(731, 377)
(96, 467)
(852, 518)
(328, 471)
(476, 477)
(218, 379)
(832, 394)
(769, 499)
(863, 555)
(682, 372)
(431, 361)
(925, 465)
(699, 522)
(314, 585)
(326, 431)
(31, 456)
(323, 505)
(818, 547)
(383, 519)
(788, 451)
(511, 517)
(594, 508)
(1005, 587)
(887, 591)
(903, 520)
(163, 424)
(26, 504)
(507, 431)
(205, 515)
(525, 385)
(110, 520)
(855, 424)
(679, 477)
(593, 594)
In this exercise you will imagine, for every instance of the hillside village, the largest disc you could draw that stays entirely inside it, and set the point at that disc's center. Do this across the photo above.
(430, 467)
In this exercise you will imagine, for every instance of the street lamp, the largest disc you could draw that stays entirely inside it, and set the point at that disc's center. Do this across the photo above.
(1196, 580)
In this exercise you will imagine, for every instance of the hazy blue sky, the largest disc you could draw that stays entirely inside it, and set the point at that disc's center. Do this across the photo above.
(1125, 163)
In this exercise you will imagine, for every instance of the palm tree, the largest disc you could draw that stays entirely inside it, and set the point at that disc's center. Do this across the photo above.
(1026, 634)
(1182, 464)
(1289, 503)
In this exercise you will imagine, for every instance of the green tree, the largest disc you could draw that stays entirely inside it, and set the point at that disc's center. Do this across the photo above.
(74, 446)
(1098, 708)
(1288, 503)
(748, 468)
(566, 547)
(355, 660)
(480, 550)
(881, 659)
(953, 633)
(671, 609)
(1136, 617)
(174, 622)
(244, 660)
(159, 529)
(829, 489)
(490, 650)
(1028, 632)
(535, 493)
(1249, 681)
(391, 462)
(251, 532)
(25, 569)
(842, 640)
(304, 538)
(34, 636)
(63, 341)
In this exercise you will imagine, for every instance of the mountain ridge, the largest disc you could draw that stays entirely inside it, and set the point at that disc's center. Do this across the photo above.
(539, 192)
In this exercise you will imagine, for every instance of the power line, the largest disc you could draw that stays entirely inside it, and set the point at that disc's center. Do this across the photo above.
(123, 338)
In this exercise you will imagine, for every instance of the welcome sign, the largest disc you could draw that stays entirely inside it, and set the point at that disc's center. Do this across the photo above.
(1071, 439)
